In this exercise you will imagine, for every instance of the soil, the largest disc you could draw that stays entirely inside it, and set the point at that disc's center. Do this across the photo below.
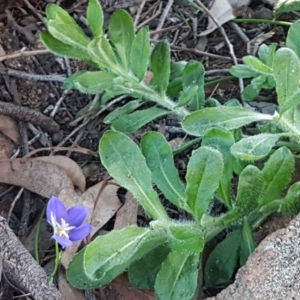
(20, 26)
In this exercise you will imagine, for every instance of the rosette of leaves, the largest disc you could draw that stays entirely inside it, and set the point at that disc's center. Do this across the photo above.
(169, 251)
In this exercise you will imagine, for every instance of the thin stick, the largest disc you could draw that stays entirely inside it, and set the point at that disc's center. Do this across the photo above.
(23, 53)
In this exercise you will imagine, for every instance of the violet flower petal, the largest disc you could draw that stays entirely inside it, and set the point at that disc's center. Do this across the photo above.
(56, 206)
(64, 242)
(76, 215)
(80, 232)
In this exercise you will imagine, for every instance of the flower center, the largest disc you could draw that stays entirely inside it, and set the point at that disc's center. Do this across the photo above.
(62, 228)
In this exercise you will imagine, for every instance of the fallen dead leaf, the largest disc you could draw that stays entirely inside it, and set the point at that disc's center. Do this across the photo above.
(222, 11)
(9, 127)
(70, 167)
(127, 214)
(66, 289)
(41, 177)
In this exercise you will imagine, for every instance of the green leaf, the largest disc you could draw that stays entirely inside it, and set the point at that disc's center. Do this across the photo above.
(228, 118)
(177, 278)
(286, 68)
(242, 71)
(287, 6)
(204, 172)
(187, 95)
(140, 53)
(95, 17)
(292, 39)
(94, 82)
(159, 159)
(186, 238)
(124, 161)
(257, 65)
(222, 140)
(144, 278)
(134, 121)
(255, 147)
(55, 12)
(160, 66)
(277, 174)
(266, 53)
(250, 92)
(290, 203)
(177, 69)
(121, 34)
(250, 188)
(109, 255)
(193, 74)
(223, 260)
(174, 88)
(59, 48)
(69, 82)
(248, 243)
(102, 53)
(123, 110)
(68, 34)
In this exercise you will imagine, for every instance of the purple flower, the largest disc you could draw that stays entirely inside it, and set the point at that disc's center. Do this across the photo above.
(67, 224)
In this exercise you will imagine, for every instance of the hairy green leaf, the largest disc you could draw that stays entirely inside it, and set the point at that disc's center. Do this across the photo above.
(292, 39)
(255, 147)
(204, 172)
(277, 173)
(95, 17)
(132, 122)
(144, 278)
(159, 158)
(291, 204)
(140, 53)
(187, 95)
(229, 118)
(248, 243)
(121, 34)
(286, 68)
(223, 260)
(160, 66)
(124, 161)
(257, 65)
(177, 278)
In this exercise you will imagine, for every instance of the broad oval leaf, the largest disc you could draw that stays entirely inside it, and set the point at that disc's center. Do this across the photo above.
(242, 71)
(250, 188)
(223, 260)
(160, 66)
(62, 49)
(102, 53)
(121, 34)
(286, 68)
(95, 17)
(204, 172)
(178, 277)
(255, 147)
(257, 65)
(140, 53)
(292, 39)
(144, 278)
(124, 161)
(193, 74)
(229, 118)
(159, 158)
(277, 174)
(134, 121)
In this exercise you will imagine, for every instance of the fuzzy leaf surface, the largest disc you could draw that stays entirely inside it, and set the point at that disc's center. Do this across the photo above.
(228, 118)
(95, 17)
(160, 161)
(204, 172)
(124, 161)
(177, 278)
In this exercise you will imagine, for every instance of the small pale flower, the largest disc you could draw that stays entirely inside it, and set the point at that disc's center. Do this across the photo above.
(67, 223)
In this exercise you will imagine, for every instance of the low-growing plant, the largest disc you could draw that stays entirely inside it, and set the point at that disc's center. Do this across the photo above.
(169, 251)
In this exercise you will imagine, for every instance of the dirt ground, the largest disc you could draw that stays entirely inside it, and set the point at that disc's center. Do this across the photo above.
(23, 57)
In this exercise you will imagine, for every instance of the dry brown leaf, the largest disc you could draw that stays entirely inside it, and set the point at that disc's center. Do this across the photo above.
(222, 11)
(127, 214)
(70, 167)
(120, 289)
(56, 149)
(9, 128)
(6, 147)
(66, 289)
(41, 177)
